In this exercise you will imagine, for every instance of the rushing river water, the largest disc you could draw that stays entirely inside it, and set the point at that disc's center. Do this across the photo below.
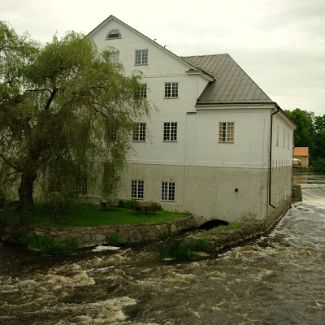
(278, 279)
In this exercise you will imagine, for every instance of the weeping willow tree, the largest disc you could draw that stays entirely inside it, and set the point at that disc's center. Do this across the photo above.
(63, 108)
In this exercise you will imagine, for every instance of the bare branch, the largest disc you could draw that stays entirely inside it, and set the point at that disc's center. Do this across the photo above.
(38, 89)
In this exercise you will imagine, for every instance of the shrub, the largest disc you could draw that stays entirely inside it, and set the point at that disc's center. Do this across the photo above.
(113, 240)
(147, 208)
(128, 204)
(201, 245)
(46, 245)
(166, 234)
(176, 250)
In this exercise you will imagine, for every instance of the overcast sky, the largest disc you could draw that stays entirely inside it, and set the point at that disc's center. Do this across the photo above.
(279, 43)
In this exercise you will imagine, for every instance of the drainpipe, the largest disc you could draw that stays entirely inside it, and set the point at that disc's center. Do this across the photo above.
(270, 158)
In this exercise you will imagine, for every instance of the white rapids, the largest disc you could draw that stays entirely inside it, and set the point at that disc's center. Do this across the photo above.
(278, 279)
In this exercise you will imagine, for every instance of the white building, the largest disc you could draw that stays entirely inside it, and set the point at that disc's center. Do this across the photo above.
(211, 138)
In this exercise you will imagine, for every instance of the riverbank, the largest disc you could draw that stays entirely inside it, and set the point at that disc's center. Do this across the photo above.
(42, 232)
(131, 286)
(194, 239)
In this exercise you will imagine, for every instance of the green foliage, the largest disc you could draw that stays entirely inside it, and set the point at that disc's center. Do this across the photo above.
(111, 178)
(201, 245)
(318, 165)
(59, 106)
(113, 240)
(128, 204)
(56, 206)
(85, 215)
(2, 199)
(231, 226)
(303, 135)
(48, 246)
(176, 250)
(166, 234)
(310, 132)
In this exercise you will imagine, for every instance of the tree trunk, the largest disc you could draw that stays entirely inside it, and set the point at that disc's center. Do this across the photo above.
(26, 190)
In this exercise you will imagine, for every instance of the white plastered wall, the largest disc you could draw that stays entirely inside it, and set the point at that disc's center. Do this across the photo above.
(206, 173)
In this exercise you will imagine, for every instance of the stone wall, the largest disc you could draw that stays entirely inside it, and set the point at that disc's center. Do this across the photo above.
(119, 234)
(296, 193)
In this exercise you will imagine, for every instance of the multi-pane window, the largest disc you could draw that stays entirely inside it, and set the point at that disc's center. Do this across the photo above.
(139, 132)
(111, 133)
(81, 186)
(171, 89)
(114, 56)
(141, 56)
(226, 132)
(137, 189)
(143, 91)
(170, 131)
(168, 191)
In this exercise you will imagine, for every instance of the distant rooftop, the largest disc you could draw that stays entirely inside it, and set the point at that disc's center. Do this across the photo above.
(301, 152)
(232, 84)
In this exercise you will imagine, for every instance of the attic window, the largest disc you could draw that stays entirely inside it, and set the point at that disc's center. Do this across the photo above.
(114, 33)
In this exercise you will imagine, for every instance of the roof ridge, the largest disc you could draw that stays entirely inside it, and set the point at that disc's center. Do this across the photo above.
(112, 17)
(250, 78)
(232, 82)
(202, 55)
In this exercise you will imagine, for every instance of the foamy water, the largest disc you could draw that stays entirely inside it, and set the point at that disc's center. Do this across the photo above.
(278, 279)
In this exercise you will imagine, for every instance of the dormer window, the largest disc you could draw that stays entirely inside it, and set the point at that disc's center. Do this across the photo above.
(114, 33)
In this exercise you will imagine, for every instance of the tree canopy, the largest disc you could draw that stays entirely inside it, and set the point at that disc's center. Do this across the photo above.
(63, 107)
(310, 132)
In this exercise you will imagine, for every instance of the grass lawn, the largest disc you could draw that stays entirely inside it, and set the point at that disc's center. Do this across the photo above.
(85, 215)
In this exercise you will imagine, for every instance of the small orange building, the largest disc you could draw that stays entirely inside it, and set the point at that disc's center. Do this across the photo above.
(301, 157)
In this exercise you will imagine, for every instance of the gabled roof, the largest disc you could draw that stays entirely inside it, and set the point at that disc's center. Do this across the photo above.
(163, 48)
(228, 82)
(231, 85)
(301, 151)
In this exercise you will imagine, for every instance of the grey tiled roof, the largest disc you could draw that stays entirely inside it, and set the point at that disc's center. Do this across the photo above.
(231, 84)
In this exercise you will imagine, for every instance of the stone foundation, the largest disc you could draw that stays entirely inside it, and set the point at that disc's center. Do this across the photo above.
(107, 234)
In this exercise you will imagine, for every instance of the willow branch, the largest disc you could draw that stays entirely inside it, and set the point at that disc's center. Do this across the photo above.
(51, 98)
(8, 162)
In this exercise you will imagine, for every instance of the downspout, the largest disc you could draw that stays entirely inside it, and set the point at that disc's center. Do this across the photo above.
(270, 159)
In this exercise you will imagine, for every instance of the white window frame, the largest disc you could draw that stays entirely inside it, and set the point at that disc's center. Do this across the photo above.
(226, 132)
(143, 91)
(171, 89)
(113, 32)
(168, 191)
(170, 132)
(82, 186)
(137, 189)
(114, 56)
(111, 133)
(139, 132)
(141, 57)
